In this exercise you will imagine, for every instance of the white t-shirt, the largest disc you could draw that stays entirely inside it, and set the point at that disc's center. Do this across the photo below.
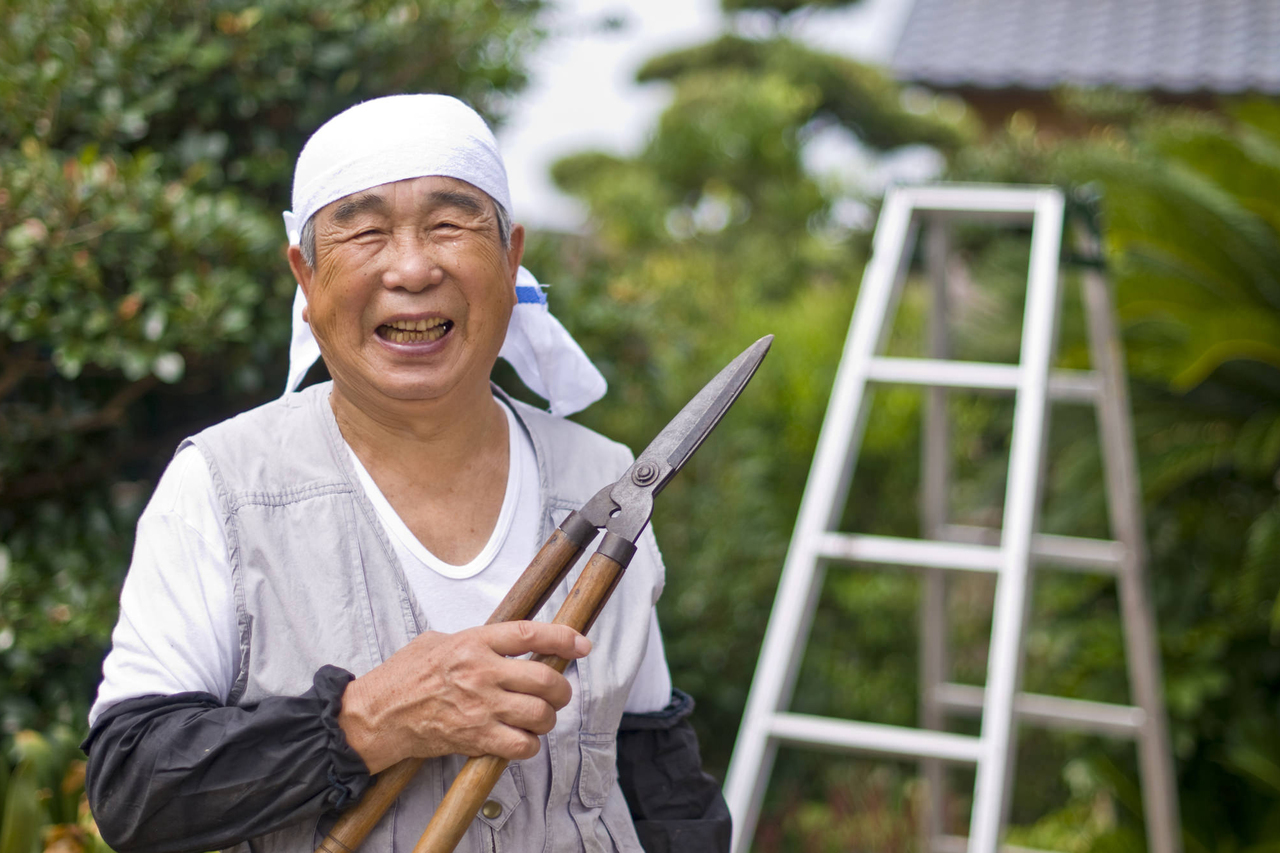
(177, 630)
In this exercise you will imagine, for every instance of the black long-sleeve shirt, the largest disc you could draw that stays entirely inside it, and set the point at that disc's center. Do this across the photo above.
(184, 772)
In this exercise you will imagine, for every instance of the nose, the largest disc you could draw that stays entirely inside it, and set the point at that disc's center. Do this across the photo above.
(411, 264)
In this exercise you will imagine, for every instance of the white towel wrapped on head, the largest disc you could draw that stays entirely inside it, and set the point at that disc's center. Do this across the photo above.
(411, 136)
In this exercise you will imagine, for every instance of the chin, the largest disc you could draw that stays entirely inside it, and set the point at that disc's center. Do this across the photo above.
(413, 391)
(409, 388)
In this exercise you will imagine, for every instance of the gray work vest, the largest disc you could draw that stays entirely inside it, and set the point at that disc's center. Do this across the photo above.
(317, 582)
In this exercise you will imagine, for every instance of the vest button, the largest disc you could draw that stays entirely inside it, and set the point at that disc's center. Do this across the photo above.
(491, 809)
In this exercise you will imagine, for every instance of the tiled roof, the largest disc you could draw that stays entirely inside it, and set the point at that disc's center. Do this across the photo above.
(1166, 45)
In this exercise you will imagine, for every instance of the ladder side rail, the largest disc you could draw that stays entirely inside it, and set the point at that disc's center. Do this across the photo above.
(935, 488)
(1142, 650)
(828, 483)
(1036, 497)
(1042, 476)
(1020, 511)
(1037, 501)
(936, 468)
(837, 491)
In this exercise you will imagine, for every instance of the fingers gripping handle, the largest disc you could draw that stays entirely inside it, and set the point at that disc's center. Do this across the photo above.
(530, 591)
(479, 775)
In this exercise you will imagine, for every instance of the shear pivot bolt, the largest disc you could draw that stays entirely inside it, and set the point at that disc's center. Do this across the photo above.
(644, 474)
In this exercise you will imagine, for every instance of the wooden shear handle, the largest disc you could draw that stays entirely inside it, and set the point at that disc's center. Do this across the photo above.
(525, 598)
(478, 776)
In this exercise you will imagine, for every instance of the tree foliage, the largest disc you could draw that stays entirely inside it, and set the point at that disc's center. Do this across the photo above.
(42, 800)
(715, 234)
(860, 97)
(1196, 239)
(146, 149)
(1192, 236)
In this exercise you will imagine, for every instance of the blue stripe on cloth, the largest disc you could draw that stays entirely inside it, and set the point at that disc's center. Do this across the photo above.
(529, 294)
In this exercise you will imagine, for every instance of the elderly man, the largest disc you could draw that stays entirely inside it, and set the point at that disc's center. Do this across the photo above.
(302, 606)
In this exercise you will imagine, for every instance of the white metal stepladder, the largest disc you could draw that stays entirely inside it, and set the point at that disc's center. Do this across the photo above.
(1009, 552)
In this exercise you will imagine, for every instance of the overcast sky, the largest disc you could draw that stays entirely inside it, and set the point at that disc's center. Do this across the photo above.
(582, 96)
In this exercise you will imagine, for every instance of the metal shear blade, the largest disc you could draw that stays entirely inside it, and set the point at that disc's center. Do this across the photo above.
(624, 507)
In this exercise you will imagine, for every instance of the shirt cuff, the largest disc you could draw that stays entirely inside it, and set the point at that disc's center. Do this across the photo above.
(348, 775)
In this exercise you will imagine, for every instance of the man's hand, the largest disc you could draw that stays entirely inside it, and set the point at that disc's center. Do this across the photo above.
(461, 693)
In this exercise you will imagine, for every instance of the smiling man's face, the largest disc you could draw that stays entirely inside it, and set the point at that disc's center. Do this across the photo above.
(412, 289)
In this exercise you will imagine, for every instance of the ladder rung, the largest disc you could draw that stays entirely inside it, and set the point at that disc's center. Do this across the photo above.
(873, 737)
(971, 534)
(974, 202)
(1077, 552)
(1051, 711)
(960, 844)
(1064, 385)
(1068, 552)
(921, 553)
(939, 373)
(1074, 386)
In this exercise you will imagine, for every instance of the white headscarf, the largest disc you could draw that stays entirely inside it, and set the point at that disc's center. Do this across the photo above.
(412, 136)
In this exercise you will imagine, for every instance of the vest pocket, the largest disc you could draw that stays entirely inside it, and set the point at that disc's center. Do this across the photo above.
(503, 800)
(599, 768)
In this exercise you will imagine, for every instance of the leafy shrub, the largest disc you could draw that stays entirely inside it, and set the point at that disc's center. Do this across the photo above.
(146, 149)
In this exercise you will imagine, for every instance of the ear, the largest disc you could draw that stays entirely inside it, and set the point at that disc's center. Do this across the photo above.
(303, 274)
(516, 253)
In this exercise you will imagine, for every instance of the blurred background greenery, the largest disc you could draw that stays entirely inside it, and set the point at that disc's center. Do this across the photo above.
(146, 147)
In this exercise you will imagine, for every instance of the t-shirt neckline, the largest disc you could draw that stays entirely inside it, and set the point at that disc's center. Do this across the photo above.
(397, 528)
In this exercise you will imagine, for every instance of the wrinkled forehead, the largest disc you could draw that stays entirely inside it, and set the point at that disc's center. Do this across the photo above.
(392, 139)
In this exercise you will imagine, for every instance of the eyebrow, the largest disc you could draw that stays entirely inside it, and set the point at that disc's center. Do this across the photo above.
(454, 198)
(353, 207)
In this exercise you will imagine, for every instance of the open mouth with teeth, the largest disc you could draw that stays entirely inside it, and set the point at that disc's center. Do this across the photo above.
(415, 331)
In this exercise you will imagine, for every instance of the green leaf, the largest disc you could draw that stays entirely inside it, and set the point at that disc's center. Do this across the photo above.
(146, 148)
(4, 785)
(1259, 766)
(23, 814)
